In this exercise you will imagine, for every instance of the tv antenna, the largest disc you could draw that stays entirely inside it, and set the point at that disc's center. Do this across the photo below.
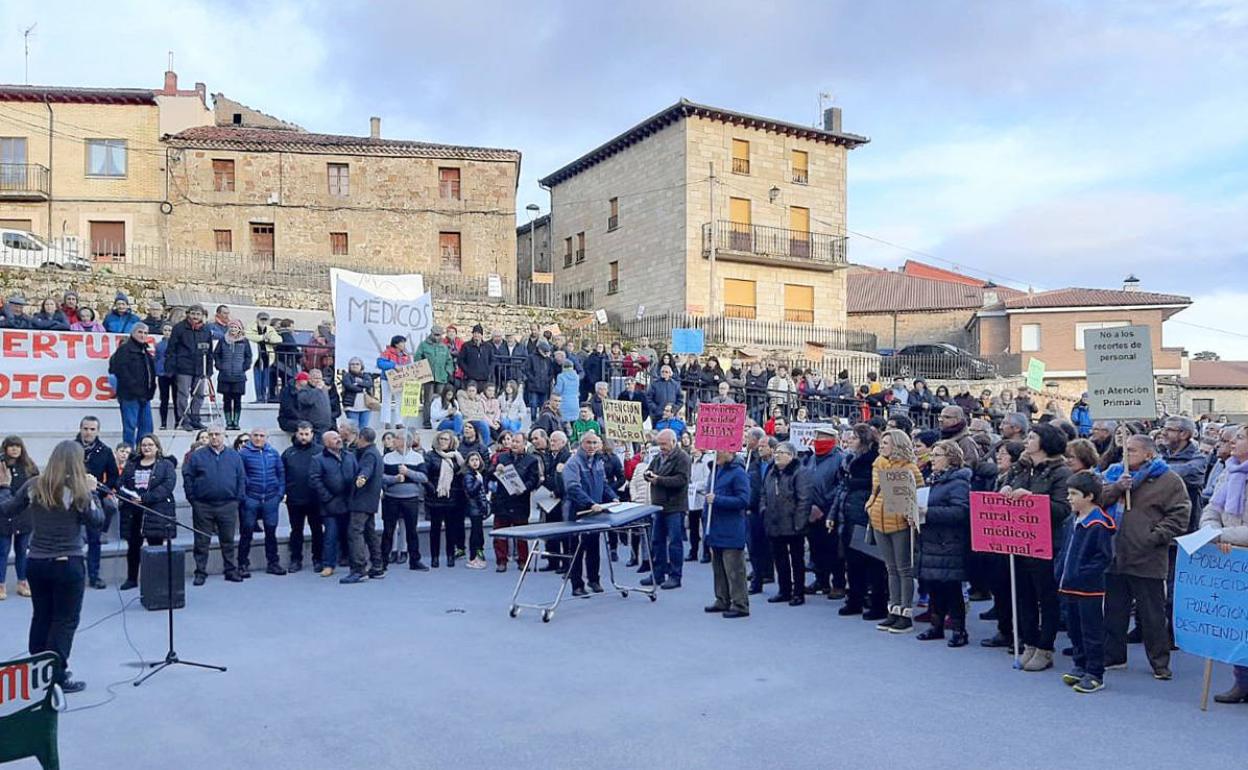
(824, 97)
(26, 35)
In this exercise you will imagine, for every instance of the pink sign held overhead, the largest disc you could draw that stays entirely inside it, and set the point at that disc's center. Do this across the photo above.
(1001, 524)
(721, 427)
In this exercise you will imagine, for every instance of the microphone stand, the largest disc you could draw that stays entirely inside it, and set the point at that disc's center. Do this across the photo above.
(171, 656)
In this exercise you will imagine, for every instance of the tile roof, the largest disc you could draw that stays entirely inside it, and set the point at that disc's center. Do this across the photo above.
(1217, 374)
(924, 270)
(1077, 297)
(285, 140)
(684, 109)
(882, 291)
(64, 95)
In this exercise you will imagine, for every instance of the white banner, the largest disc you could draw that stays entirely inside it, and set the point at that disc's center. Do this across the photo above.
(370, 309)
(55, 367)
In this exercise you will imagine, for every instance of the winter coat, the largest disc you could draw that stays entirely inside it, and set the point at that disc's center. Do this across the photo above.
(670, 488)
(674, 424)
(353, 386)
(857, 485)
(638, 396)
(312, 404)
(888, 523)
(368, 463)
(135, 371)
(1190, 464)
(944, 543)
(1087, 551)
(158, 496)
(596, 368)
(477, 361)
(121, 323)
(19, 520)
(1048, 477)
(391, 358)
(333, 478)
(54, 321)
(265, 472)
(786, 505)
(585, 484)
(162, 359)
(727, 513)
(538, 375)
(548, 421)
(214, 477)
(233, 360)
(190, 350)
(476, 494)
(297, 470)
(1081, 416)
(825, 476)
(288, 409)
(266, 339)
(433, 472)
(663, 392)
(515, 508)
(101, 463)
(441, 364)
(1160, 510)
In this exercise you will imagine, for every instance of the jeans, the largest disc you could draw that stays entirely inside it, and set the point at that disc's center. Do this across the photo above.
(761, 560)
(266, 511)
(731, 593)
(483, 431)
(333, 523)
(899, 563)
(218, 518)
(260, 379)
(93, 551)
(56, 588)
(190, 399)
(19, 542)
(454, 423)
(501, 545)
(361, 419)
(510, 424)
(405, 511)
(136, 420)
(1038, 608)
(534, 401)
(668, 537)
(1085, 625)
(365, 546)
(300, 513)
(790, 557)
(1150, 608)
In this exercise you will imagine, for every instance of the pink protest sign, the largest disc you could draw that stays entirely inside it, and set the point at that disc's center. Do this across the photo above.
(1001, 524)
(720, 427)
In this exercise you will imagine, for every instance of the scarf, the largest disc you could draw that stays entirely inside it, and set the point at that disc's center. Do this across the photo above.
(1229, 496)
(952, 431)
(824, 446)
(447, 472)
(1147, 471)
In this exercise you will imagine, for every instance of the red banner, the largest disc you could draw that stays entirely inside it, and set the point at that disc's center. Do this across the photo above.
(50, 367)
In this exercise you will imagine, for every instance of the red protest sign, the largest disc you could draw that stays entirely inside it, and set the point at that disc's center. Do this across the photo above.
(720, 427)
(1001, 524)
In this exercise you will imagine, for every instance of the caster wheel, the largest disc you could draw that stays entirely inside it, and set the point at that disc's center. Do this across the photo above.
(514, 611)
(546, 614)
(654, 597)
(624, 594)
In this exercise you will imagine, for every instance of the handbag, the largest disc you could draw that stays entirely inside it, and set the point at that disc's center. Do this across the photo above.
(371, 403)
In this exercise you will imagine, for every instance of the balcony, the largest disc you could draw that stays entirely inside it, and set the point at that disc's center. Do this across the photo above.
(580, 256)
(801, 176)
(741, 165)
(796, 316)
(613, 222)
(24, 182)
(756, 244)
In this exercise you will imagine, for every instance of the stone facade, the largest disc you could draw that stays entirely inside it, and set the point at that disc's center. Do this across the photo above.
(529, 251)
(896, 330)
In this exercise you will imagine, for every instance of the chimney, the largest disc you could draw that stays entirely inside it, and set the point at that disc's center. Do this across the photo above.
(202, 90)
(1131, 283)
(374, 127)
(171, 81)
(832, 119)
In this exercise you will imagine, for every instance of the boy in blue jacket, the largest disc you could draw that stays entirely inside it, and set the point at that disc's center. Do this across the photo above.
(1087, 551)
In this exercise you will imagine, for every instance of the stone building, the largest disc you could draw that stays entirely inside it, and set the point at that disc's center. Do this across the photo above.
(1216, 388)
(264, 188)
(631, 221)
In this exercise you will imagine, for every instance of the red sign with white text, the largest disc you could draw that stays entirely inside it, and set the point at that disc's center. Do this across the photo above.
(1001, 524)
(43, 367)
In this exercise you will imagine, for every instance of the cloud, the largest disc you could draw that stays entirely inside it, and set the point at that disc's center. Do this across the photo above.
(1213, 322)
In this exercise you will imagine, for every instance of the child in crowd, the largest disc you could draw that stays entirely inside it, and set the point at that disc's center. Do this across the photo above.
(478, 507)
(584, 423)
(1087, 550)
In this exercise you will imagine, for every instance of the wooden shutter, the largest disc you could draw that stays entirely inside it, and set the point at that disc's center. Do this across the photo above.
(223, 175)
(449, 248)
(801, 167)
(799, 303)
(739, 298)
(261, 239)
(338, 244)
(339, 180)
(108, 240)
(448, 183)
(224, 240)
(799, 231)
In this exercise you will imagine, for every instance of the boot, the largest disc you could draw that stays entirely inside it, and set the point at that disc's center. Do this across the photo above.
(1025, 658)
(23, 588)
(1039, 661)
(1236, 694)
(959, 638)
(934, 631)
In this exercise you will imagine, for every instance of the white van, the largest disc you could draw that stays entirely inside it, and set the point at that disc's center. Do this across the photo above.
(19, 248)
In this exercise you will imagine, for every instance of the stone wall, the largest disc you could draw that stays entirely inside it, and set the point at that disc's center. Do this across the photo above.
(916, 327)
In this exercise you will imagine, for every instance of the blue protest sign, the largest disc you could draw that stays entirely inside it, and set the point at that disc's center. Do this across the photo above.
(1211, 604)
(688, 341)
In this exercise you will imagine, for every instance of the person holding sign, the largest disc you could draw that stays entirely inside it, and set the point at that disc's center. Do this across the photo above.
(726, 505)
(1158, 512)
(518, 473)
(945, 542)
(891, 519)
(1228, 512)
(1086, 552)
(394, 356)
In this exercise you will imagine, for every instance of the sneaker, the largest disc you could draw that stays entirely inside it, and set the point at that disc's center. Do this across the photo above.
(274, 569)
(1041, 660)
(888, 622)
(1089, 684)
(418, 566)
(198, 580)
(233, 577)
(327, 572)
(293, 567)
(352, 578)
(4, 593)
(23, 588)
(1163, 674)
(903, 625)
(501, 567)
(668, 584)
(129, 585)
(71, 686)
(376, 574)
(244, 571)
(1119, 666)
(1073, 677)
(459, 553)
(1025, 658)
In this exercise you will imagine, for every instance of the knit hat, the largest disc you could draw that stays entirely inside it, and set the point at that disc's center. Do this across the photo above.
(121, 297)
(476, 329)
(301, 377)
(17, 299)
(542, 347)
(436, 330)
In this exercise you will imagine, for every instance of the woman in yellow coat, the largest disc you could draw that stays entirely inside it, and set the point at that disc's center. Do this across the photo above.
(892, 531)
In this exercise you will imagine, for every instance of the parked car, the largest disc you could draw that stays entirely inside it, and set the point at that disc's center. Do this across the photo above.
(23, 249)
(938, 360)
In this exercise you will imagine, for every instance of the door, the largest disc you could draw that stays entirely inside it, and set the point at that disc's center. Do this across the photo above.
(13, 163)
(739, 217)
(262, 244)
(108, 241)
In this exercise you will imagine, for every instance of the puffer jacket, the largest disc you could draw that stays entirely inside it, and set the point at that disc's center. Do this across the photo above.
(856, 488)
(888, 523)
(1047, 477)
(1234, 526)
(441, 362)
(232, 360)
(945, 540)
(352, 386)
(785, 501)
(515, 508)
(265, 472)
(333, 478)
(158, 496)
(19, 520)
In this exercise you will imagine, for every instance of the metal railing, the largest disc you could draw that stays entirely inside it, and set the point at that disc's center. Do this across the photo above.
(801, 176)
(962, 366)
(722, 330)
(24, 181)
(775, 242)
(740, 165)
(613, 222)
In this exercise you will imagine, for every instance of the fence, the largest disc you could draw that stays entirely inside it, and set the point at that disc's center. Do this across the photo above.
(950, 366)
(720, 330)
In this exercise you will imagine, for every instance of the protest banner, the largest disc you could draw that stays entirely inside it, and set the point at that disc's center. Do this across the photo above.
(510, 478)
(55, 368)
(688, 341)
(370, 309)
(802, 434)
(1211, 607)
(1001, 524)
(898, 491)
(418, 373)
(412, 403)
(600, 315)
(720, 427)
(470, 407)
(623, 420)
(554, 330)
(641, 311)
(1035, 374)
(1119, 362)
(29, 708)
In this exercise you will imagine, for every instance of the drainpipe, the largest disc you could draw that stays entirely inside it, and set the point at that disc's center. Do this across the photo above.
(550, 232)
(48, 106)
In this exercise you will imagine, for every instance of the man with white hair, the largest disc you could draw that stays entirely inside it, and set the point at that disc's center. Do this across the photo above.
(668, 475)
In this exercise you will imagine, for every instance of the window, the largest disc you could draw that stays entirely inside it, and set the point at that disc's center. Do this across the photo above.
(1202, 406)
(740, 156)
(449, 248)
(1081, 328)
(223, 175)
(448, 184)
(108, 240)
(25, 225)
(339, 180)
(741, 235)
(739, 299)
(799, 231)
(580, 247)
(613, 219)
(799, 303)
(613, 283)
(567, 251)
(801, 168)
(224, 240)
(13, 163)
(1030, 338)
(338, 244)
(106, 157)
(262, 239)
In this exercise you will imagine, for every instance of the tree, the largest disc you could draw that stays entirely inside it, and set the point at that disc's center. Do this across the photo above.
(1206, 355)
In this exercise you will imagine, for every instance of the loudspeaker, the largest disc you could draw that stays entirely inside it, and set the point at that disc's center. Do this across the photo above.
(154, 578)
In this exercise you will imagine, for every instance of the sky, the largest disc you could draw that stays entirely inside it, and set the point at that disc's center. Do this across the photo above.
(1042, 144)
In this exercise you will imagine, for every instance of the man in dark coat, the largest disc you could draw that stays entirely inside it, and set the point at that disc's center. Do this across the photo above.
(333, 478)
(312, 404)
(134, 371)
(824, 475)
(757, 462)
(476, 359)
(511, 509)
(669, 489)
(365, 499)
(786, 508)
(216, 485)
(302, 503)
(537, 377)
(585, 488)
(189, 357)
(102, 466)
